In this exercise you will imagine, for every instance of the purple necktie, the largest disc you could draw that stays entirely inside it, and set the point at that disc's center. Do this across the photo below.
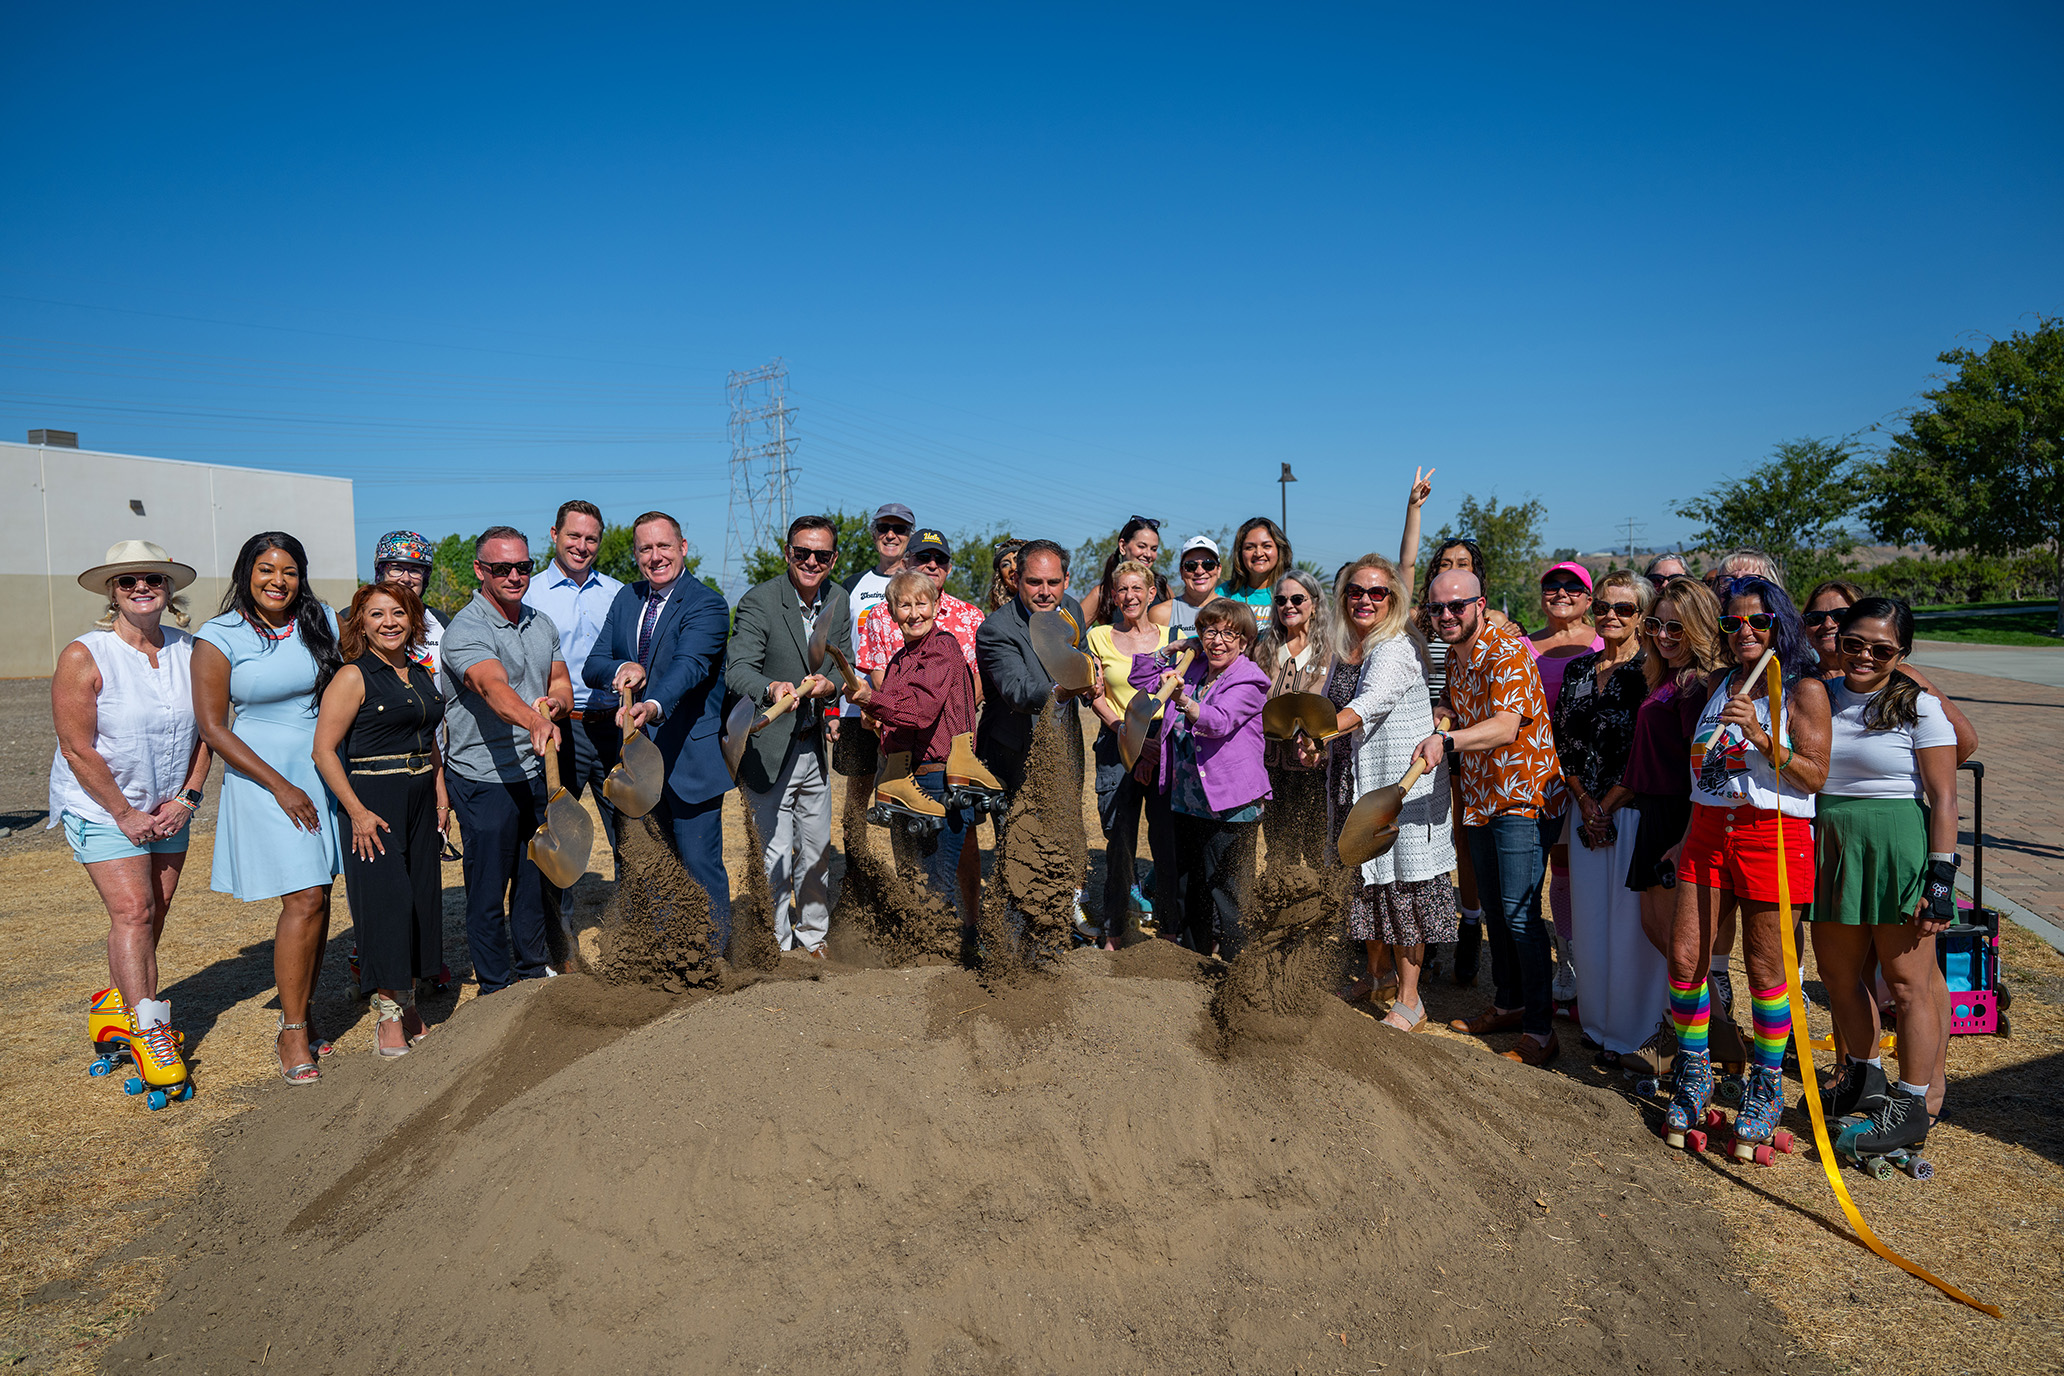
(645, 628)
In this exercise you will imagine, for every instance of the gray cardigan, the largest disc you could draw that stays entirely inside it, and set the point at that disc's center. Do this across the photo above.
(767, 644)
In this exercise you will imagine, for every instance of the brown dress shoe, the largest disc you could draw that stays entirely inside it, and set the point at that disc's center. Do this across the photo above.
(1489, 1021)
(1531, 1052)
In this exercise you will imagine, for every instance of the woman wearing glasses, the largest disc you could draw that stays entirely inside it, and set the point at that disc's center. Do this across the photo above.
(1887, 873)
(1748, 772)
(1681, 637)
(1565, 634)
(126, 778)
(1296, 652)
(1139, 541)
(1403, 901)
(1619, 980)
(1121, 792)
(1211, 768)
(1198, 566)
(1825, 608)
(276, 832)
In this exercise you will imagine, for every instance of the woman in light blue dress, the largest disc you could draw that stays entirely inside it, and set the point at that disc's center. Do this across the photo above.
(276, 833)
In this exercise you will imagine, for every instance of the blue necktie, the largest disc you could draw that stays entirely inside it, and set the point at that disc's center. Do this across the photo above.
(645, 628)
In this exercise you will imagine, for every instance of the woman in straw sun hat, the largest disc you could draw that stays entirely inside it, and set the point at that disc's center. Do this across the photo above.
(126, 777)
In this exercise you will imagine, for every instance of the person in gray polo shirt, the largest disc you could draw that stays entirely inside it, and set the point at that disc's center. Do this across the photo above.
(505, 689)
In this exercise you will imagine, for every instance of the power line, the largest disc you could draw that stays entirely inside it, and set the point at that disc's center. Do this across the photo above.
(762, 481)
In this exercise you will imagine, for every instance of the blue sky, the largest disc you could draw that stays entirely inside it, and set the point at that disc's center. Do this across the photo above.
(1043, 267)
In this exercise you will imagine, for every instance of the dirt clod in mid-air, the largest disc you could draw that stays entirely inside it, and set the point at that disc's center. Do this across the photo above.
(657, 930)
(1275, 986)
(1028, 915)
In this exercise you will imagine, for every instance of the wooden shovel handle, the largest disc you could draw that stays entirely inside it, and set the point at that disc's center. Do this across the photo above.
(552, 786)
(1756, 673)
(783, 705)
(1179, 668)
(1411, 776)
(852, 680)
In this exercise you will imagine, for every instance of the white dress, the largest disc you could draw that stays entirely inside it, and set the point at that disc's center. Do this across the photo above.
(1396, 715)
(143, 726)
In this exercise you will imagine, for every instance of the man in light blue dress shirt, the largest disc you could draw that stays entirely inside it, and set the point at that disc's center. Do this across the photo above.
(576, 595)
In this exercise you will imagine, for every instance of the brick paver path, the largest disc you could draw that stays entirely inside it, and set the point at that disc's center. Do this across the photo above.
(2021, 740)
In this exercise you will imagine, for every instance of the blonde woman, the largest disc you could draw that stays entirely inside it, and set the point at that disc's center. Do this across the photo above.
(1296, 652)
(1122, 792)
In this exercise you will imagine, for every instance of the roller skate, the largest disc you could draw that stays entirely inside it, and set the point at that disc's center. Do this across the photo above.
(107, 1027)
(1691, 1115)
(1757, 1137)
(1889, 1138)
(1857, 1093)
(1730, 1058)
(1648, 1064)
(154, 1051)
(969, 784)
(899, 802)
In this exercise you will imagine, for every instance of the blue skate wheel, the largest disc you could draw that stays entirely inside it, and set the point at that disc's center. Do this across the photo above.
(185, 1092)
(104, 1066)
(133, 1085)
(155, 1100)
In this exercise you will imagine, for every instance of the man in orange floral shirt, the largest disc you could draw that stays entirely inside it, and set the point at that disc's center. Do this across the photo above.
(1511, 803)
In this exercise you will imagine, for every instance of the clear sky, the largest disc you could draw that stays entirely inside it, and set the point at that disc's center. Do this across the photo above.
(1043, 267)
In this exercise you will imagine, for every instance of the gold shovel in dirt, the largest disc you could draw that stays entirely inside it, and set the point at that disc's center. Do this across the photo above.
(634, 786)
(1139, 713)
(1057, 640)
(1371, 826)
(738, 727)
(561, 846)
(1311, 713)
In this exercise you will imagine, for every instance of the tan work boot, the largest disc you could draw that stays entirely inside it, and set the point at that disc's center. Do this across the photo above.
(898, 799)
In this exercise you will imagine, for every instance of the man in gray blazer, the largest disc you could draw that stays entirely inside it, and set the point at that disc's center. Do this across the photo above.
(783, 772)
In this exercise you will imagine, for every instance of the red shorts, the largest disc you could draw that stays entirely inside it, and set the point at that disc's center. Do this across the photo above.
(1735, 848)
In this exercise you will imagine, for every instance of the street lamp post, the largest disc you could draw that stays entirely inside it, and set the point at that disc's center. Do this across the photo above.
(1283, 485)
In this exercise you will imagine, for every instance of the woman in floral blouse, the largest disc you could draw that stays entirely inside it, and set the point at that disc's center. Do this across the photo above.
(1620, 976)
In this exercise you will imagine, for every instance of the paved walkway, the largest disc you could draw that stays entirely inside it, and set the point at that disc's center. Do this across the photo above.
(2021, 742)
(2026, 663)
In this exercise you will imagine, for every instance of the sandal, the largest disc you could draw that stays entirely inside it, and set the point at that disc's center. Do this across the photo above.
(386, 1010)
(308, 1072)
(1413, 1020)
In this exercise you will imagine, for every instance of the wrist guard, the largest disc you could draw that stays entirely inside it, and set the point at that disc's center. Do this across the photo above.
(1940, 891)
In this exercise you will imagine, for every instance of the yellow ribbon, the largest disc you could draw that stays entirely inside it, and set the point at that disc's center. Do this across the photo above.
(1828, 1162)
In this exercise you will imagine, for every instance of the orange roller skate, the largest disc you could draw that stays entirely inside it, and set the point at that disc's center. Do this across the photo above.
(160, 1068)
(107, 1027)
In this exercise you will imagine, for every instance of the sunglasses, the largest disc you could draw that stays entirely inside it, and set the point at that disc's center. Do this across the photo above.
(929, 558)
(891, 528)
(1454, 608)
(1759, 621)
(1569, 585)
(1199, 565)
(1877, 651)
(1149, 522)
(505, 567)
(1295, 599)
(126, 581)
(1373, 592)
(1656, 626)
(1623, 610)
(811, 556)
(1659, 581)
(1820, 618)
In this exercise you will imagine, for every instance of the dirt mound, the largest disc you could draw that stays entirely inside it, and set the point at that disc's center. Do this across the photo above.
(908, 1171)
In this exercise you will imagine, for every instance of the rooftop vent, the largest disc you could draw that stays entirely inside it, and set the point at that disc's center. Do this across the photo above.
(56, 439)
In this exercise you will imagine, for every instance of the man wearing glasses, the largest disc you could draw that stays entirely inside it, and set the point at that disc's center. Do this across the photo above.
(505, 690)
(1511, 802)
(783, 772)
(864, 592)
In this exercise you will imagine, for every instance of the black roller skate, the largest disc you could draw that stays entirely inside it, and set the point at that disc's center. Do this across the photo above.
(899, 802)
(1690, 1115)
(1757, 1137)
(1890, 1138)
(1857, 1093)
(969, 784)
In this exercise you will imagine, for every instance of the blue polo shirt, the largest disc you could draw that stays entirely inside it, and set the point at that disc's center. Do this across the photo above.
(578, 609)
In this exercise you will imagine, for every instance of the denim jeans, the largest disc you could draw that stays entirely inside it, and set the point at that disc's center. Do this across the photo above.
(941, 854)
(1510, 856)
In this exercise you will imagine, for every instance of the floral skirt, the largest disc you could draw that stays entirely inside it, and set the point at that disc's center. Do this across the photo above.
(1403, 914)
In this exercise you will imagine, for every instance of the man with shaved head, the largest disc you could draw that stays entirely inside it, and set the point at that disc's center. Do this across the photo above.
(1512, 800)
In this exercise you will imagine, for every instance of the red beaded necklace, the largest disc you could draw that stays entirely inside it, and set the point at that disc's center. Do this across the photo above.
(270, 634)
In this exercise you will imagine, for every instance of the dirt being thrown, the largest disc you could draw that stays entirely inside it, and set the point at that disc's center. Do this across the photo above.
(895, 913)
(753, 946)
(1028, 916)
(657, 930)
(1275, 986)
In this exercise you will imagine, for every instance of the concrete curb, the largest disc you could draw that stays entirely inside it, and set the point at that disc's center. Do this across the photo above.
(2017, 914)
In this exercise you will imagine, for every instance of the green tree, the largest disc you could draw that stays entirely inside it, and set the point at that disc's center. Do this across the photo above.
(1510, 538)
(451, 581)
(1797, 507)
(1981, 466)
(615, 555)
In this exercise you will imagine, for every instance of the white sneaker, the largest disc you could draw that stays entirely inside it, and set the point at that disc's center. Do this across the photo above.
(1565, 986)
(550, 973)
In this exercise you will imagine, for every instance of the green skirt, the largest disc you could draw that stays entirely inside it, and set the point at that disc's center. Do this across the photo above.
(1873, 857)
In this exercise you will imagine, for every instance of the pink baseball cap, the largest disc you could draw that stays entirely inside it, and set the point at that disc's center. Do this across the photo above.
(1583, 574)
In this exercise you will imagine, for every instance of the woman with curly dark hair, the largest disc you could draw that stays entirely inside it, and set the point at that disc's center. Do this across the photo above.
(276, 825)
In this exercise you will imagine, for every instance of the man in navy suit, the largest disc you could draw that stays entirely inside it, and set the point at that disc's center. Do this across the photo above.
(661, 651)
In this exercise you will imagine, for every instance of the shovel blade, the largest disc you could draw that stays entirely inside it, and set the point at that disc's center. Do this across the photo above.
(1132, 732)
(561, 846)
(820, 641)
(634, 786)
(1054, 641)
(1370, 828)
(1285, 715)
(738, 724)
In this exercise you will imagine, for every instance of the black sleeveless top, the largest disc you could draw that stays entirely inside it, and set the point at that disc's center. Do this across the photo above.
(397, 718)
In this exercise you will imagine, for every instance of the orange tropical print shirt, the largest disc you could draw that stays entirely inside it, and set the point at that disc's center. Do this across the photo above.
(1522, 779)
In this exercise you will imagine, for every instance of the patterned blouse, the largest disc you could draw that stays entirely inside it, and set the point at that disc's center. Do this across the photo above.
(881, 639)
(1522, 779)
(1594, 729)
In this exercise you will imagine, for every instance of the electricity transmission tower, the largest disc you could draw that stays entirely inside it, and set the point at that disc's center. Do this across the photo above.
(762, 478)
(1634, 528)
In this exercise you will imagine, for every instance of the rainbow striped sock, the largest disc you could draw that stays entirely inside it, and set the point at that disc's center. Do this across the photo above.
(1772, 1012)
(1690, 1010)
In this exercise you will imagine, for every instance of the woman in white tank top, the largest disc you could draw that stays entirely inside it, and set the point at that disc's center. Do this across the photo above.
(126, 778)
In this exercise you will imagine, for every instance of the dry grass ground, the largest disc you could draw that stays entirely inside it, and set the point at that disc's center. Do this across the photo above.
(85, 1170)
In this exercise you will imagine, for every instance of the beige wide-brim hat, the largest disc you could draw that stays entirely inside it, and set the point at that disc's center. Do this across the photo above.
(135, 556)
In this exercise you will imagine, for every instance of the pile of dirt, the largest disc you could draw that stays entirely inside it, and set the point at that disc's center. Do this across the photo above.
(904, 1170)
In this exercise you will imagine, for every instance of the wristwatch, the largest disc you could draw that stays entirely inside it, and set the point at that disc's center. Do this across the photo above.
(192, 798)
(1447, 744)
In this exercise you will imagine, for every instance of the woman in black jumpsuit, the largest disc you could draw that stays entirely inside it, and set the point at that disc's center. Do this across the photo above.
(376, 746)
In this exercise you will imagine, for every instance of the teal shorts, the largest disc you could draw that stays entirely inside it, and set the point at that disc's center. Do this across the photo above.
(93, 842)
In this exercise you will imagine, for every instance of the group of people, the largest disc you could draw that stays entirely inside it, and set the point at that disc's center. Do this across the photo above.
(1623, 759)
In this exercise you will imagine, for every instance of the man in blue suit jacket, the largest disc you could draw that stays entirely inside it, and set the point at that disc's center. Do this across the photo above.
(661, 651)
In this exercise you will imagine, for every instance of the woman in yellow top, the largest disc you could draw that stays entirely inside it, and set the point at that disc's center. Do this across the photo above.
(1122, 791)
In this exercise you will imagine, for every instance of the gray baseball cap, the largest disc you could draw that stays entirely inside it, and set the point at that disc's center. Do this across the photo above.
(895, 511)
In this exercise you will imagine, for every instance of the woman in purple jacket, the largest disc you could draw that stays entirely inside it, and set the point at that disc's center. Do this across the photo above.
(1211, 768)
